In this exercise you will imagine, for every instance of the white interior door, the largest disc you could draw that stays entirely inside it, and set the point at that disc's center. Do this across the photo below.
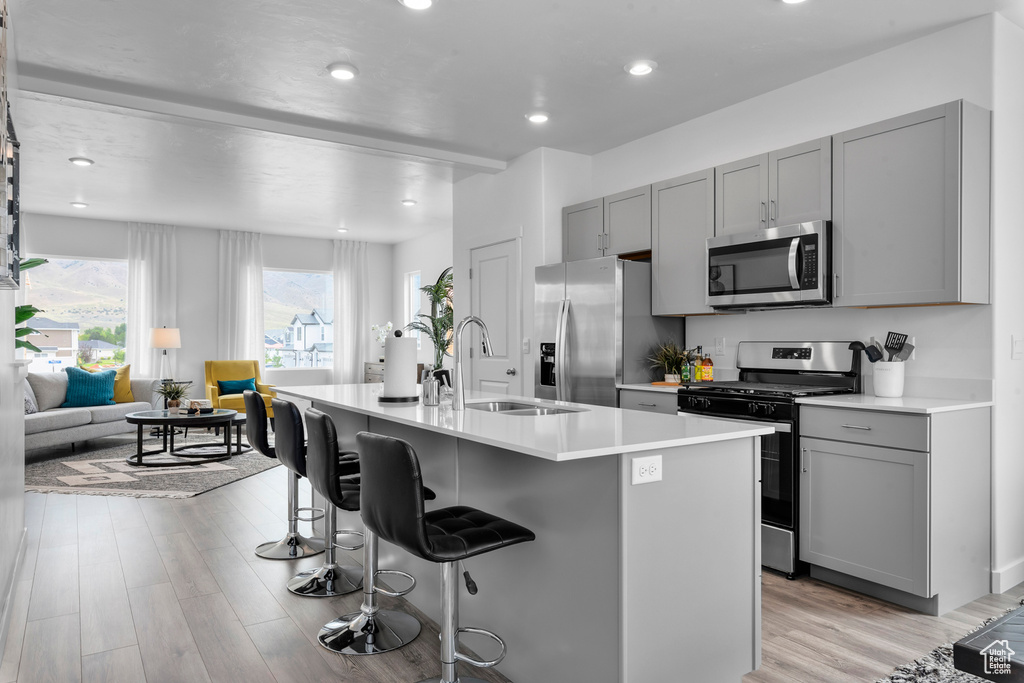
(495, 298)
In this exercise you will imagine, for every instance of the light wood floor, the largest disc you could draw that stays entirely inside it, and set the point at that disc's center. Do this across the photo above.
(123, 589)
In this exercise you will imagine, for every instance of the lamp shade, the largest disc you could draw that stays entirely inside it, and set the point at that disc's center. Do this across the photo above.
(165, 338)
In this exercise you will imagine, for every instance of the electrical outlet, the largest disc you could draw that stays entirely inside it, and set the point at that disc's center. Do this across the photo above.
(719, 346)
(1016, 347)
(646, 469)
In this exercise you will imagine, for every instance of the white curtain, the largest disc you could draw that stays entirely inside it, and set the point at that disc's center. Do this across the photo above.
(351, 311)
(240, 322)
(152, 293)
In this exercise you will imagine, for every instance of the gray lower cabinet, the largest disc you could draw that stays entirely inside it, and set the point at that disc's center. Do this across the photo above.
(627, 221)
(787, 186)
(651, 401)
(683, 218)
(897, 505)
(911, 213)
(583, 230)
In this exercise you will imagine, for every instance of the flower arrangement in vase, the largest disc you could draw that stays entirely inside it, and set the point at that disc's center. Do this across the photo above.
(381, 333)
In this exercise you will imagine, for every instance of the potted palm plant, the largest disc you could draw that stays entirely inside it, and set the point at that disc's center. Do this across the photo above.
(437, 325)
(668, 357)
(173, 392)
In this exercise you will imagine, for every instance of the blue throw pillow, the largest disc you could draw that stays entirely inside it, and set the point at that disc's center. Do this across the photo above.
(236, 386)
(89, 388)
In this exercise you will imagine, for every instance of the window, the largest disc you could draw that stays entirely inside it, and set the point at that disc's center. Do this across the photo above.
(84, 320)
(413, 303)
(293, 303)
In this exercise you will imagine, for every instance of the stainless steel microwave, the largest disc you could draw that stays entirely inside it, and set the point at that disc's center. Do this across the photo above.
(787, 266)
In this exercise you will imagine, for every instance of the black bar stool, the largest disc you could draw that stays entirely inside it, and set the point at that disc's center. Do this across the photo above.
(294, 544)
(392, 508)
(371, 630)
(329, 579)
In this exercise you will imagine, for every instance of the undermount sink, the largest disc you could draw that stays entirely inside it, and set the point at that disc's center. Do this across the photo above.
(513, 408)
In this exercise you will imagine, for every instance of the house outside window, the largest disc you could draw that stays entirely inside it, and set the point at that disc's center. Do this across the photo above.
(298, 313)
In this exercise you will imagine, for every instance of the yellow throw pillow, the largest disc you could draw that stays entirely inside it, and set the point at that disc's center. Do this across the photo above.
(123, 386)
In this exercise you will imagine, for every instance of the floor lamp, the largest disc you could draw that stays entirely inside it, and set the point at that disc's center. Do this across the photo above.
(165, 338)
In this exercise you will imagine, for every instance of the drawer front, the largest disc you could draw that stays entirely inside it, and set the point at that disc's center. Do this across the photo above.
(373, 373)
(651, 401)
(868, 427)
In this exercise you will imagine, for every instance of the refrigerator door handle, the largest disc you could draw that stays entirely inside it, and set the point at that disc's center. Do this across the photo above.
(562, 389)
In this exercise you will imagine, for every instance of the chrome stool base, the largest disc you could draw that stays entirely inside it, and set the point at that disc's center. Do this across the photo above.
(291, 547)
(462, 679)
(326, 581)
(361, 634)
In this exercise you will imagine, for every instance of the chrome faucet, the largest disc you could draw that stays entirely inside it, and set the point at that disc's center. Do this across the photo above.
(459, 390)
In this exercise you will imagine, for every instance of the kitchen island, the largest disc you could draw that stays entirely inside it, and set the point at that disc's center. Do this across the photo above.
(655, 581)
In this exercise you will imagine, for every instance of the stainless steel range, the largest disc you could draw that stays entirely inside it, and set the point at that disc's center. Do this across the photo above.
(772, 376)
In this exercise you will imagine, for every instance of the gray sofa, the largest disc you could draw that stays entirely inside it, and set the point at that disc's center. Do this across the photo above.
(56, 426)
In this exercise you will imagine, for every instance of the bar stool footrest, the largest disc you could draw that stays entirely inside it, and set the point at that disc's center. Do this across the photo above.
(347, 532)
(481, 664)
(394, 572)
(318, 514)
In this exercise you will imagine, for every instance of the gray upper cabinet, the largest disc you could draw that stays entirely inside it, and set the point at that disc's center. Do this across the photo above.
(627, 221)
(583, 230)
(683, 217)
(741, 196)
(787, 186)
(911, 215)
(800, 183)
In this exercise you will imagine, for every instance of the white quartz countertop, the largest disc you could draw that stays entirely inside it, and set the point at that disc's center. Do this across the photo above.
(594, 431)
(650, 387)
(906, 404)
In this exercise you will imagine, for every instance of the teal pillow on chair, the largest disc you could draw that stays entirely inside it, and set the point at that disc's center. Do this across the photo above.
(89, 388)
(236, 386)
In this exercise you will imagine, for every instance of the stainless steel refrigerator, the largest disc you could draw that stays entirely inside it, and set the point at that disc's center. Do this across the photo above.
(594, 329)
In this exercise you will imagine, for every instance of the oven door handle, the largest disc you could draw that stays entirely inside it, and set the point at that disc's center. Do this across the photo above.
(794, 255)
(784, 427)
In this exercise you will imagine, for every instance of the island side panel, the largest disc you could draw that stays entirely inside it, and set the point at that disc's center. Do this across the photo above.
(691, 564)
(554, 600)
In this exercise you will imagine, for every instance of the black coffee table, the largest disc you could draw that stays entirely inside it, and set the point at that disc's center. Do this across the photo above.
(163, 418)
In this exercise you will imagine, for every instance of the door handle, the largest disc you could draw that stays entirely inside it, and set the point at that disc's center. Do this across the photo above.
(600, 242)
(764, 212)
(794, 254)
(511, 371)
(772, 214)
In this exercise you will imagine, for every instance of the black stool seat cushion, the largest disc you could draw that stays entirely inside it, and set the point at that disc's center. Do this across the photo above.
(459, 532)
(392, 507)
(346, 492)
(256, 423)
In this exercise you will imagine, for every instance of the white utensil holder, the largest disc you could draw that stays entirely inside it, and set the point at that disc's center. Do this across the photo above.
(888, 379)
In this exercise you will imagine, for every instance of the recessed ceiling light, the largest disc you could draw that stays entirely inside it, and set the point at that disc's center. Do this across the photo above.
(408, 202)
(81, 161)
(343, 71)
(417, 4)
(641, 67)
(342, 229)
(79, 205)
(537, 117)
(792, 2)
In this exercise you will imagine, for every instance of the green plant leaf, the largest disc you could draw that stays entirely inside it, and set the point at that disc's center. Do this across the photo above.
(24, 312)
(25, 331)
(31, 263)
(22, 344)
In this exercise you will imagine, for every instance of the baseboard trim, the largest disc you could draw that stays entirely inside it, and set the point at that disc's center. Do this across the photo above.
(8, 603)
(1008, 577)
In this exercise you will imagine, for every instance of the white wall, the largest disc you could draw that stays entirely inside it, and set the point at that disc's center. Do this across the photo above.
(525, 203)
(429, 254)
(198, 249)
(1008, 283)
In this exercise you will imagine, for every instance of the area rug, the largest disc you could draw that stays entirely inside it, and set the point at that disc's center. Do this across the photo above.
(104, 472)
(937, 665)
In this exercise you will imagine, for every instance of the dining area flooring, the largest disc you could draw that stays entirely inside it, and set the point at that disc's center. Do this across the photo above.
(120, 589)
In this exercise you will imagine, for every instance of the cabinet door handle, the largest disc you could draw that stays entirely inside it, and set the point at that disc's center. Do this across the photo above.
(803, 459)
(835, 287)
(866, 429)
(511, 371)
(772, 215)
(764, 212)
(648, 405)
(607, 241)
(600, 242)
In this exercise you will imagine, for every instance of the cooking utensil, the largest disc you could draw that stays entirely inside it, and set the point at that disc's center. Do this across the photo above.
(894, 341)
(881, 351)
(905, 352)
(873, 353)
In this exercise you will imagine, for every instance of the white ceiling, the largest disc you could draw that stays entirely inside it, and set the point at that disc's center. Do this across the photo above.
(222, 114)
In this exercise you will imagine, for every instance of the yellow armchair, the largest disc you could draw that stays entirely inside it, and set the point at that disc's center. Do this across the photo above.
(227, 370)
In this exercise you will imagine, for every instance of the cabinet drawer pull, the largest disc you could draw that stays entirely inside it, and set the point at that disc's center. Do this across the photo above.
(648, 405)
(866, 429)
